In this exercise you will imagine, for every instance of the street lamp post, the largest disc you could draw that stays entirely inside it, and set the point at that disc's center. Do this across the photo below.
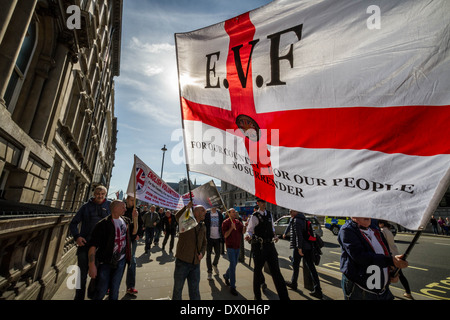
(163, 149)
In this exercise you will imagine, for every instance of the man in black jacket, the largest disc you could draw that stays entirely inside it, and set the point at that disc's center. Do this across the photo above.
(109, 251)
(214, 236)
(261, 233)
(170, 229)
(300, 243)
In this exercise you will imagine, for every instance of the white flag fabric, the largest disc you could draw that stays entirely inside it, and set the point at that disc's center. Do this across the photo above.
(327, 107)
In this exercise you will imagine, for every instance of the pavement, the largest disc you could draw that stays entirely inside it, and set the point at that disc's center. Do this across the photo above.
(154, 280)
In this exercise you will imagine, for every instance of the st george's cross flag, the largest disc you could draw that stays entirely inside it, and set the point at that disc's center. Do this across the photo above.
(326, 107)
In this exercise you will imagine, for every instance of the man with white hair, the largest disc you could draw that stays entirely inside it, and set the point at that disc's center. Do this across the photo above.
(81, 228)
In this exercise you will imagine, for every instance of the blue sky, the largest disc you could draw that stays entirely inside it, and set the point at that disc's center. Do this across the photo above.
(146, 92)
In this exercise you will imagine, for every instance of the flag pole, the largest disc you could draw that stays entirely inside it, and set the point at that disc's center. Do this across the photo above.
(135, 220)
(188, 181)
(182, 122)
(408, 250)
(134, 182)
(224, 205)
(434, 204)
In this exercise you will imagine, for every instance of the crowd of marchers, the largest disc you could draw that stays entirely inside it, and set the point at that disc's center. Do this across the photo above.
(106, 233)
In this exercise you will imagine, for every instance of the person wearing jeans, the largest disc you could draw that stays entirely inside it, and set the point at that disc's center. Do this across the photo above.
(109, 277)
(232, 229)
(110, 249)
(136, 225)
(186, 271)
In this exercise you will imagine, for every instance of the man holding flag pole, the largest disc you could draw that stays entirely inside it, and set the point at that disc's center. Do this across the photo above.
(190, 250)
(366, 262)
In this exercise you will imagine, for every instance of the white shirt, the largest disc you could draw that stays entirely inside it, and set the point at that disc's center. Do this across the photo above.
(254, 221)
(378, 248)
(214, 227)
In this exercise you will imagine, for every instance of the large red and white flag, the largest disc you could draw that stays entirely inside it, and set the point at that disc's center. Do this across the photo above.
(327, 107)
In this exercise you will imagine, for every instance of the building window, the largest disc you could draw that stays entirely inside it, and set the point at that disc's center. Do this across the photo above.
(20, 68)
(3, 179)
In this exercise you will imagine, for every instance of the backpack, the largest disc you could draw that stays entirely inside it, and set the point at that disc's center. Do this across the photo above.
(316, 243)
(317, 240)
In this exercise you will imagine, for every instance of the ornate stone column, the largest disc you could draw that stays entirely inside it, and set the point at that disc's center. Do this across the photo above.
(41, 74)
(12, 40)
(8, 7)
(49, 97)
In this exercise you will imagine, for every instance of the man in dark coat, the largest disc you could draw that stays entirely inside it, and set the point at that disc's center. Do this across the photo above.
(109, 251)
(302, 248)
(169, 223)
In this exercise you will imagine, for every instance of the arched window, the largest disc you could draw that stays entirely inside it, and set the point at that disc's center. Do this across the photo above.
(21, 66)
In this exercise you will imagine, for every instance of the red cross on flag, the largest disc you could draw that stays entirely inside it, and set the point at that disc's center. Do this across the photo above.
(326, 107)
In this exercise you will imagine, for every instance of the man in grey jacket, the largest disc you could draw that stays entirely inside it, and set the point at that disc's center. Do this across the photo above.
(151, 219)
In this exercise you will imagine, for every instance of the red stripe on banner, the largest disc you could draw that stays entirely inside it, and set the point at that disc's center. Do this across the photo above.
(239, 76)
(241, 32)
(410, 130)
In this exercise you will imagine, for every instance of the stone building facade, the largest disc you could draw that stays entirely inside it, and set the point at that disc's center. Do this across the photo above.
(57, 125)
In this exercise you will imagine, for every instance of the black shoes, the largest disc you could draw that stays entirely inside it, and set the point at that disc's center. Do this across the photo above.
(227, 281)
(291, 285)
(317, 294)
